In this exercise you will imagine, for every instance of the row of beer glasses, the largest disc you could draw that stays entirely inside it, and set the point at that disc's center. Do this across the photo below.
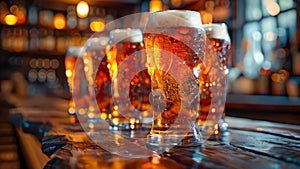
(168, 79)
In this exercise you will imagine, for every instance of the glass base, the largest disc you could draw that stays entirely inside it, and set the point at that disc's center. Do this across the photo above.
(125, 126)
(164, 142)
(218, 133)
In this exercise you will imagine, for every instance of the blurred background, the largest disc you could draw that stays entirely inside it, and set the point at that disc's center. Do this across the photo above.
(264, 57)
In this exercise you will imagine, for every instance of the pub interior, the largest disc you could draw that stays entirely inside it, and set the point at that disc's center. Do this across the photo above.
(45, 124)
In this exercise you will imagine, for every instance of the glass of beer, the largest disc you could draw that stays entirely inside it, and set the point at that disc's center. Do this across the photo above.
(183, 79)
(73, 58)
(219, 44)
(98, 79)
(130, 81)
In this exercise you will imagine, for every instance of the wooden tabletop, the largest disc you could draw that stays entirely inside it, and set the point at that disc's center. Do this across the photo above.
(250, 144)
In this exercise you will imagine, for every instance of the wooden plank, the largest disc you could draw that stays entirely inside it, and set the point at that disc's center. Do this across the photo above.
(221, 156)
(284, 149)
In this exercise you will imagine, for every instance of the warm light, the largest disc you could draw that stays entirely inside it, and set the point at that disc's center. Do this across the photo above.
(81, 111)
(82, 9)
(59, 21)
(91, 115)
(97, 26)
(159, 122)
(272, 7)
(115, 113)
(115, 121)
(103, 116)
(86, 68)
(69, 73)
(116, 107)
(213, 110)
(155, 5)
(216, 126)
(72, 110)
(275, 77)
(91, 125)
(132, 121)
(91, 108)
(10, 19)
(145, 114)
(216, 132)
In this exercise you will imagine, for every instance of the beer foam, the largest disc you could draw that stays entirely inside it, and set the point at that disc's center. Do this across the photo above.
(217, 30)
(172, 18)
(126, 35)
(98, 43)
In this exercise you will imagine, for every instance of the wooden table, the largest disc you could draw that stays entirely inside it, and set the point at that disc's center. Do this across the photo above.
(250, 144)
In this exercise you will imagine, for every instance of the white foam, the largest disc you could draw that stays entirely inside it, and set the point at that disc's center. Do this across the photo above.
(98, 43)
(217, 30)
(172, 18)
(128, 35)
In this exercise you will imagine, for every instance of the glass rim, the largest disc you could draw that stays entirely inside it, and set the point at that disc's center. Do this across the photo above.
(133, 35)
(74, 51)
(95, 43)
(217, 30)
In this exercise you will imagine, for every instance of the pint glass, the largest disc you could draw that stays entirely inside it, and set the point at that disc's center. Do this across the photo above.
(97, 74)
(175, 45)
(219, 44)
(130, 80)
(185, 82)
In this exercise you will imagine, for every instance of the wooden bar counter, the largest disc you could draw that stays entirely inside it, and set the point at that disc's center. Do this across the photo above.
(250, 144)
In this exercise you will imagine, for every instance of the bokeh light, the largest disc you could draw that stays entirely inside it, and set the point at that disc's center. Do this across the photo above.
(82, 9)
(11, 19)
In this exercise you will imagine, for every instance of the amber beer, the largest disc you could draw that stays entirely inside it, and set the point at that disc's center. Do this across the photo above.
(128, 44)
(178, 41)
(175, 46)
(97, 74)
(220, 40)
(219, 45)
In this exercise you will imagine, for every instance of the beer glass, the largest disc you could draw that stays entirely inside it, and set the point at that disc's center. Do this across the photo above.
(185, 82)
(97, 74)
(130, 81)
(174, 42)
(73, 58)
(219, 44)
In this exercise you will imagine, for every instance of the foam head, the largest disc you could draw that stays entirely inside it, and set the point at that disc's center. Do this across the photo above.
(173, 18)
(126, 35)
(75, 51)
(217, 30)
(98, 43)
